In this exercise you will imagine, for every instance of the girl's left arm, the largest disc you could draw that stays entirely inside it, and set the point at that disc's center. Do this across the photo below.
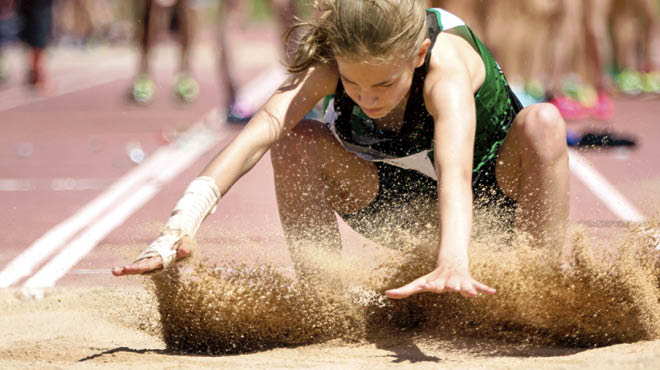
(449, 99)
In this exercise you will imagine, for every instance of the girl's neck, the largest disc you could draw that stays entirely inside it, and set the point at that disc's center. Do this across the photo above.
(393, 121)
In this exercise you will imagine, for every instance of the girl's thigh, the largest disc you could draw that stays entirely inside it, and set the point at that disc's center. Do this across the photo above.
(310, 150)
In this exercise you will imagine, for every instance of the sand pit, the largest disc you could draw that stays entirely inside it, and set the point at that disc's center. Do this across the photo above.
(602, 312)
(94, 328)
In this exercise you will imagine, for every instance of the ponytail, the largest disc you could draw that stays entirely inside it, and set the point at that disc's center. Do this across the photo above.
(313, 45)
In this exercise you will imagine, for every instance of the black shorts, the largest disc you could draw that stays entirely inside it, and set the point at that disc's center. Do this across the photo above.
(400, 190)
(174, 22)
(37, 18)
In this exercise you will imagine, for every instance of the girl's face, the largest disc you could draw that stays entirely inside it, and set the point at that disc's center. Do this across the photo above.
(379, 87)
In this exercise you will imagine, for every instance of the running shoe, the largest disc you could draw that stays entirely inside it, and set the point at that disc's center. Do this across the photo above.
(651, 82)
(186, 88)
(536, 90)
(237, 116)
(570, 87)
(629, 82)
(605, 139)
(581, 92)
(143, 90)
(587, 96)
(604, 108)
(572, 138)
(570, 109)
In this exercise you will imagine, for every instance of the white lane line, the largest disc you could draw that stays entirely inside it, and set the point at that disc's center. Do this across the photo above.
(54, 239)
(602, 189)
(56, 184)
(12, 185)
(42, 248)
(184, 153)
(80, 247)
(83, 244)
(71, 184)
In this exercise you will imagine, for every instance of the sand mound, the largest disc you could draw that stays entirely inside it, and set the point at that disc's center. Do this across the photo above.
(601, 299)
(225, 309)
(607, 296)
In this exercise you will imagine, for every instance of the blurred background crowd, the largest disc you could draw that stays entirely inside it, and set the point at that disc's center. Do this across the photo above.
(573, 53)
(577, 54)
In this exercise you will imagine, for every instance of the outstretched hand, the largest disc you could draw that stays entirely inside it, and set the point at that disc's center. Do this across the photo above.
(442, 279)
(153, 263)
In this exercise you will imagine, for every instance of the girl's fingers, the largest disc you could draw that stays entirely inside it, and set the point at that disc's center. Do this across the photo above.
(482, 288)
(436, 285)
(407, 290)
(453, 284)
(468, 290)
(140, 267)
(151, 264)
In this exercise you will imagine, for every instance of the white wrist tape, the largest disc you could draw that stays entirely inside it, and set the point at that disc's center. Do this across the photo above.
(199, 200)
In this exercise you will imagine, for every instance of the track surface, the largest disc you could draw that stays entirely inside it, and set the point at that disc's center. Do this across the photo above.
(61, 152)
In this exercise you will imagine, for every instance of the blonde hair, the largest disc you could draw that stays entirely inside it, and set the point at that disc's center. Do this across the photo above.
(373, 30)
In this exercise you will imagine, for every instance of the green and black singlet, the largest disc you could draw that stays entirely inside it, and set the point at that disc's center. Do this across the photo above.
(405, 159)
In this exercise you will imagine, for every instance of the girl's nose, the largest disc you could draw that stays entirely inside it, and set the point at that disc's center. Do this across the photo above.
(367, 98)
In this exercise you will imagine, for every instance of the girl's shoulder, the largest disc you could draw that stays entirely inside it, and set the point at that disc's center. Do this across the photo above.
(452, 55)
(453, 44)
(319, 78)
(327, 70)
(329, 75)
(446, 55)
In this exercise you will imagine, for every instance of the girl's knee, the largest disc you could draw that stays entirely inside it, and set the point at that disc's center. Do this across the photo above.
(545, 131)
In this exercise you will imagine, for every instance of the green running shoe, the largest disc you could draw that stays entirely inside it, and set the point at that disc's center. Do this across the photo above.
(186, 88)
(536, 90)
(651, 82)
(629, 82)
(587, 95)
(579, 91)
(143, 90)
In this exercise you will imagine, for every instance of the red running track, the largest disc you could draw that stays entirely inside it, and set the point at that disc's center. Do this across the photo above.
(62, 152)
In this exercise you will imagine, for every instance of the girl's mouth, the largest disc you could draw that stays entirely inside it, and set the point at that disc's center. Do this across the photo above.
(371, 112)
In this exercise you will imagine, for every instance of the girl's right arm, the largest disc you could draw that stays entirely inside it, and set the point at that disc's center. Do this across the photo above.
(288, 106)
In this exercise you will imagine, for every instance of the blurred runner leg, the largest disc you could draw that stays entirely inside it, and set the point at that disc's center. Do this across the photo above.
(599, 53)
(8, 29)
(143, 88)
(37, 18)
(185, 86)
(231, 14)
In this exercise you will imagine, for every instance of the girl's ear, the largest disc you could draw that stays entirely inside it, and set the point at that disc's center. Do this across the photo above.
(421, 54)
